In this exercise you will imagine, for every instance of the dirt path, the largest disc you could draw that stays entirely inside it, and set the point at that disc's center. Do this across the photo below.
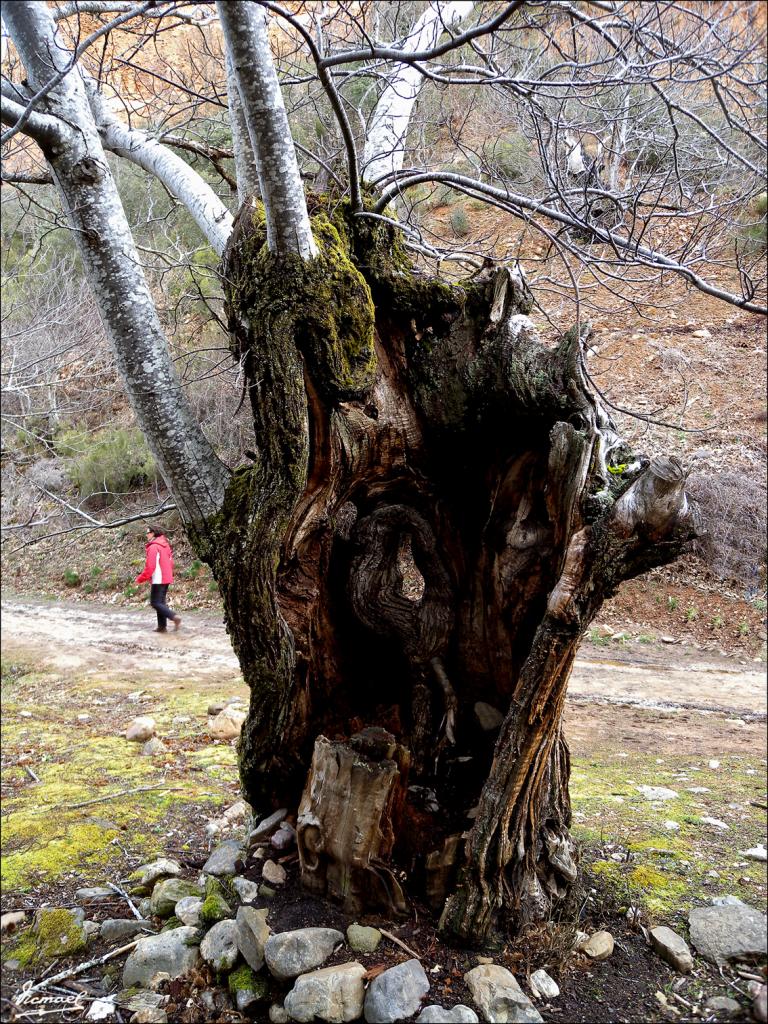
(668, 696)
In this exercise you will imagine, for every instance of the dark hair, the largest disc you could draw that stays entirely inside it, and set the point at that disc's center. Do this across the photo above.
(157, 532)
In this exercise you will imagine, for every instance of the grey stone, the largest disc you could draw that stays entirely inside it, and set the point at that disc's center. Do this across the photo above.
(285, 838)
(167, 893)
(101, 1009)
(150, 1016)
(599, 946)
(657, 792)
(289, 954)
(225, 858)
(140, 729)
(755, 853)
(672, 947)
(458, 1014)
(188, 910)
(228, 724)
(247, 891)
(252, 935)
(278, 1014)
(362, 939)
(723, 1006)
(728, 931)
(171, 953)
(499, 997)
(219, 947)
(334, 994)
(93, 894)
(122, 929)
(145, 907)
(273, 873)
(163, 867)
(153, 747)
(91, 930)
(543, 986)
(268, 825)
(396, 993)
(133, 1001)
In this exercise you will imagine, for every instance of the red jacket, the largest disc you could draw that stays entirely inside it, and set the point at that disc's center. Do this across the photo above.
(159, 565)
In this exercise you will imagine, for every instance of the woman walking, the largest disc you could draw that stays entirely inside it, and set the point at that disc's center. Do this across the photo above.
(158, 570)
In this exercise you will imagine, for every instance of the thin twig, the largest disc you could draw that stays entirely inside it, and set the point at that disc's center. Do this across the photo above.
(25, 993)
(399, 942)
(109, 796)
(127, 898)
(31, 774)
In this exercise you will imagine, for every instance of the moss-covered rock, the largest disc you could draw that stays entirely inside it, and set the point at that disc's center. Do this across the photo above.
(167, 893)
(216, 905)
(60, 932)
(247, 987)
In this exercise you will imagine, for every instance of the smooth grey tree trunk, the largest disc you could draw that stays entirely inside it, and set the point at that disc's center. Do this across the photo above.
(76, 157)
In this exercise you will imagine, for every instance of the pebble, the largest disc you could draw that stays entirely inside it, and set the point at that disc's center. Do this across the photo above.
(756, 853)
(121, 929)
(544, 987)
(140, 729)
(163, 867)
(101, 1009)
(716, 823)
(397, 993)
(252, 934)
(225, 858)
(153, 747)
(330, 994)
(458, 1014)
(498, 995)
(599, 946)
(188, 910)
(723, 1006)
(657, 793)
(219, 947)
(169, 953)
(10, 921)
(247, 891)
(228, 724)
(273, 873)
(268, 825)
(285, 838)
(672, 947)
(362, 939)
(289, 954)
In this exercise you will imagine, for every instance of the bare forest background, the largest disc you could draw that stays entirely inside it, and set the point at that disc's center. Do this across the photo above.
(681, 371)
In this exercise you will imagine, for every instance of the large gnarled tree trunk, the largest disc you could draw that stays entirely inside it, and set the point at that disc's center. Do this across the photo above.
(402, 419)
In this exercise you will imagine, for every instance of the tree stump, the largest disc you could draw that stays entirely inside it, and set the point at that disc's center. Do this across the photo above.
(348, 819)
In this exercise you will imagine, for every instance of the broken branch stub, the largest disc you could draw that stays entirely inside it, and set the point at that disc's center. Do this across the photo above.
(348, 819)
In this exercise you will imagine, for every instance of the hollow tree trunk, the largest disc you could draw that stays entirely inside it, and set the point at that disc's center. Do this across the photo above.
(400, 420)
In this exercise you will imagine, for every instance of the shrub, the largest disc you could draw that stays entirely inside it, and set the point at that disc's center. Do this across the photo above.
(193, 571)
(731, 513)
(71, 578)
(460, 222)
(112, 461)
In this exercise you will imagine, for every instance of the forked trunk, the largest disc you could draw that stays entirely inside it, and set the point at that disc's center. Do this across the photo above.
(435, 513)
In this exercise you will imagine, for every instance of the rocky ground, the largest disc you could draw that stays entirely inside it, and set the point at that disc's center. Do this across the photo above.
(668, 743)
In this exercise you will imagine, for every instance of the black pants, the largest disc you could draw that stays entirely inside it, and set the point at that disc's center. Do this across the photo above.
(157, 594)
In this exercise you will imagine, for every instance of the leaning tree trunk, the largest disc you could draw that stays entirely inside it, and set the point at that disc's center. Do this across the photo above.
(403, 422)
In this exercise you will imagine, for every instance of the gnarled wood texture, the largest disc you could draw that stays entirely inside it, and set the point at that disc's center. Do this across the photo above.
(425, 419)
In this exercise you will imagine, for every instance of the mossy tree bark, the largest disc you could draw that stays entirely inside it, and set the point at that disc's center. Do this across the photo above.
(400, 419)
